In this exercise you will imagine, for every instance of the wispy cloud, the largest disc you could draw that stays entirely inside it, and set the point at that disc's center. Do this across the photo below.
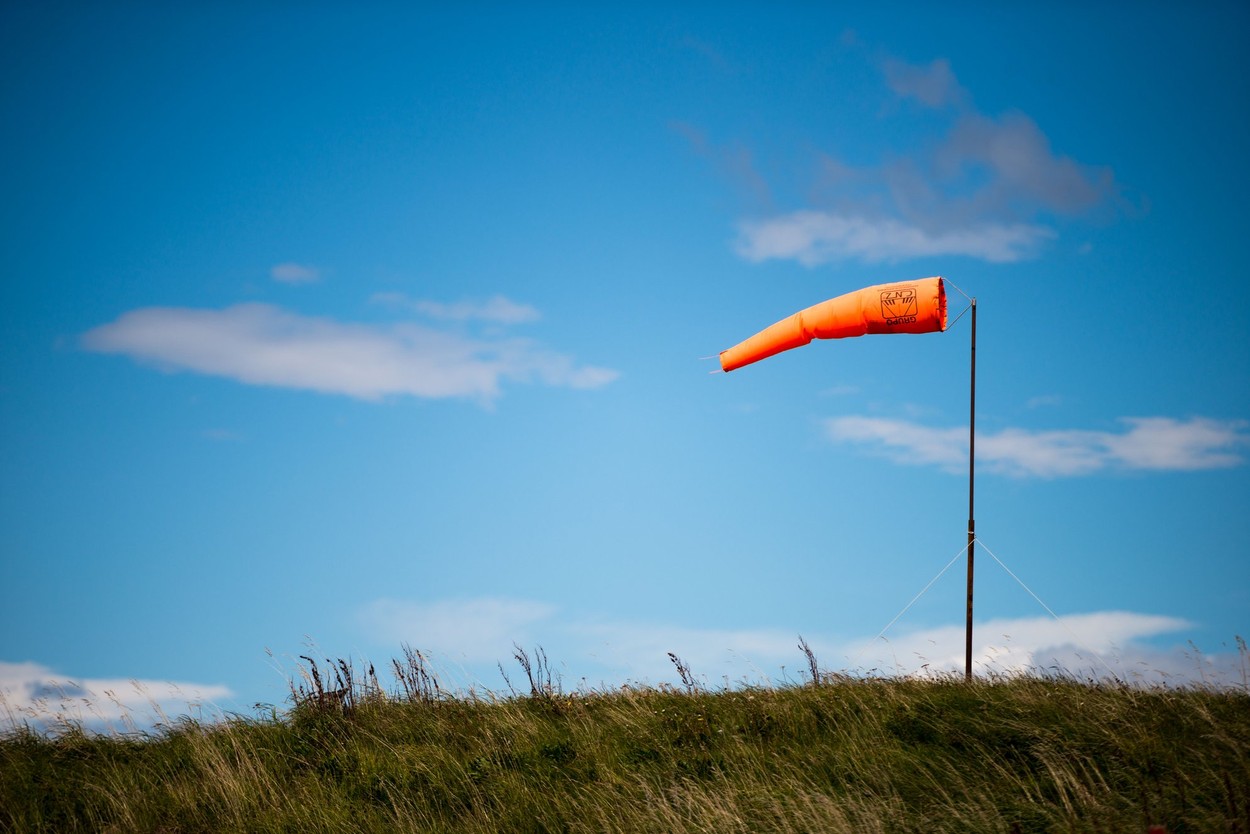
(36, 695)
(497, 308)
(1021, 172)
(816, 237)
(483, 631)
(709, 53)
(1098, 644)
(733, 161)
(260, 344)
(474, 630)
(933, 85)
(221, 435)
(1147, 443)
(984, 186)
(639, 651)
(293, 273)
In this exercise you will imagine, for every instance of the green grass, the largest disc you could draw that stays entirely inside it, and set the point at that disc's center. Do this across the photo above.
(1023, 754)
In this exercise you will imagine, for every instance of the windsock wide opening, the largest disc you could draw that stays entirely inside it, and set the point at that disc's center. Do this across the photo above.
(941, 299)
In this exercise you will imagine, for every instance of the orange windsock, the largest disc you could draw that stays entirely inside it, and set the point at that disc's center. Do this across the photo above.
(903, 307)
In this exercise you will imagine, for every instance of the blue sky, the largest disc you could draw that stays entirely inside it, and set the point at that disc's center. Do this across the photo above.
(330, 330)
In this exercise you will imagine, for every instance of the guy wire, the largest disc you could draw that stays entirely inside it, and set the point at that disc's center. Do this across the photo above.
(1071, 633)
(910, 604)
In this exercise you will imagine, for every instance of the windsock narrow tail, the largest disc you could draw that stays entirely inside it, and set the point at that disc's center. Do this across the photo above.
(903, 307)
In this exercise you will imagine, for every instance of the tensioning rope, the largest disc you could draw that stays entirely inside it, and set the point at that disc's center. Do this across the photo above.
(966, 309)
(957, 289)
(908, 606)
(1075, 637)
(1071, 633)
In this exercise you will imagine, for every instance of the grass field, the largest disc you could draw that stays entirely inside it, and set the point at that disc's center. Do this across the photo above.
(834, 754)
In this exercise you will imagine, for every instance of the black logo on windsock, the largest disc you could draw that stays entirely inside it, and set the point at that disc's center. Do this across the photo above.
(898, 302)
(898, 306)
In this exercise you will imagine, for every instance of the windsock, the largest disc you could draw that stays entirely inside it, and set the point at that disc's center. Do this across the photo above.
(904, 307)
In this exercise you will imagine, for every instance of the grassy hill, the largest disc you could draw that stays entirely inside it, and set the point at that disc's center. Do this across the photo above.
(1024, 754)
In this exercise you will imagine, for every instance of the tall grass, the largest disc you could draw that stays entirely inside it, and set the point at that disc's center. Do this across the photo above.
(839, 754)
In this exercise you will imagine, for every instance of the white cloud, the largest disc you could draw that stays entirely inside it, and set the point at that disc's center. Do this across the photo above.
(36, 695)
(613, 652)
(905, 441)
(293, 273)
(815, 237)
(1148, 443)
(497, 308)
(1160, 443)
(260, 344)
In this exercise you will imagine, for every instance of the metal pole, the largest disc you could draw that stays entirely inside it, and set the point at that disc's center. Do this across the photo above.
(972, 536)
